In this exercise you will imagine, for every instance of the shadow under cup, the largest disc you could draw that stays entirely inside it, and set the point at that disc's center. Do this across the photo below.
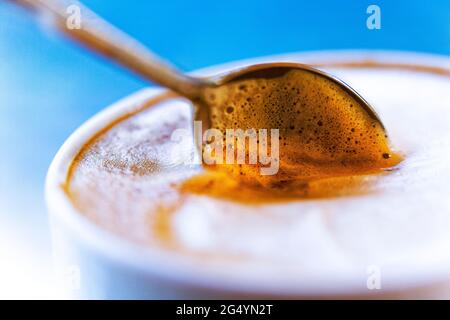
(385, 236)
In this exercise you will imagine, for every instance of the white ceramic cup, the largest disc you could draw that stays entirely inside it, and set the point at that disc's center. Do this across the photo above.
(93, 263)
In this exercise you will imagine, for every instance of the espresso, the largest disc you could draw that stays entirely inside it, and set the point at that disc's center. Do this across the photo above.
(131, 179)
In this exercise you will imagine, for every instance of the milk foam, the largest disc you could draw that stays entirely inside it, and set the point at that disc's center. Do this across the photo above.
(126, 182)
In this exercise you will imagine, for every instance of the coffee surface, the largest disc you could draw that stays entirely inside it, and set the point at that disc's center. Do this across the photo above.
(131, 179)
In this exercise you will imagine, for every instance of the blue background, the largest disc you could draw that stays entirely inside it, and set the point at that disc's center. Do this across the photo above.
(48, 86)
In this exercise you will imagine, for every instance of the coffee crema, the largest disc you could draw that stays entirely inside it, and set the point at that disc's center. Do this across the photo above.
(323, 130)
(131, 179)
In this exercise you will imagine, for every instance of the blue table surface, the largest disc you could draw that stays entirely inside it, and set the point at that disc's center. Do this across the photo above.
(48, 86)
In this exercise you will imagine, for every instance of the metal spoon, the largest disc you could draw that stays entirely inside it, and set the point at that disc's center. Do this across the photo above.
(222, 102)
(100, 36)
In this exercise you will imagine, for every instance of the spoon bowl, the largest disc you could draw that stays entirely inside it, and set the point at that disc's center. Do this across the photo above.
(325, 128)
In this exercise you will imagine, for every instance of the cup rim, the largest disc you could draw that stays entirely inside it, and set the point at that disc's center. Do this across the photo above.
(159, 263)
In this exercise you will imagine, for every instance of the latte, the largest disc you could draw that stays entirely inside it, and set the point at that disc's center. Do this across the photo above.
(132, 180)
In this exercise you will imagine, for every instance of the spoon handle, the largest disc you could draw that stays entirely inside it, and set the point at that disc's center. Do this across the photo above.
(100, 36)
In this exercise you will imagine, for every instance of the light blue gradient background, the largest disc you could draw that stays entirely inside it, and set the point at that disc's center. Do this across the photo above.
(48, 86)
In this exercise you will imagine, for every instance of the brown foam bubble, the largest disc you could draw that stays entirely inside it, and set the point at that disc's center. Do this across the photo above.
(323, 130)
